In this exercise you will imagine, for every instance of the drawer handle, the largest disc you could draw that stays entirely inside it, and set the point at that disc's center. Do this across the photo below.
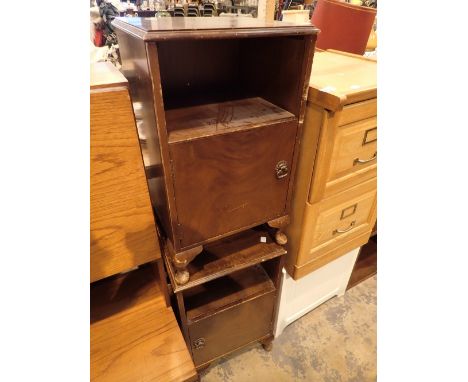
(351, 226)
(282, 169)
(361, 161)
(199, 343)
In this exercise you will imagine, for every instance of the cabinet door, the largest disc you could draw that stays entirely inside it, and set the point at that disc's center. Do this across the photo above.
(224, 183)
(231, 328)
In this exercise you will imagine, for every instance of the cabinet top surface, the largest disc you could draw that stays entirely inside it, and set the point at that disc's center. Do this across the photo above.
(340, 78)
(105, 75)
(163, 28)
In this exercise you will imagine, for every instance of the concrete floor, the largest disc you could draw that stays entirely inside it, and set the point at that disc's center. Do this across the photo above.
(336, 342)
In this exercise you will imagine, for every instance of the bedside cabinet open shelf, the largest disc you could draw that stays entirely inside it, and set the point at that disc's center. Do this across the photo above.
(194, 122)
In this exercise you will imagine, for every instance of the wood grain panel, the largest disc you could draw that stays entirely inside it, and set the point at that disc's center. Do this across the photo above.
(221, 118)
(134, 336)
(230, 312)
(122, 224)
(323, 218)
(136, 67)
(340, 145)
(340, 79)
(349, 146)
(358, 111)
(226, 255)
(219, 180)
(206, 299)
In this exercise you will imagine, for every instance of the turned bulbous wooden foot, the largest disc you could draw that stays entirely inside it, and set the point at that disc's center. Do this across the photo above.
(267, 346)
(281, 237)
(182, 277)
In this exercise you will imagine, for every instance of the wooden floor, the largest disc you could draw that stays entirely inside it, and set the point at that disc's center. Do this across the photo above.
(134, 336)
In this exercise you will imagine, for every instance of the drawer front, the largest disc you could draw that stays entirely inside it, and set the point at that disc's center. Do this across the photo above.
(226, 182)
(358, 111)
(355, 148)
(232, 328)
(336, 220)
(351, 159)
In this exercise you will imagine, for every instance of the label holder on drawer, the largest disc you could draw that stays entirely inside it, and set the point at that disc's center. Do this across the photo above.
(348, 211)
(370, 136)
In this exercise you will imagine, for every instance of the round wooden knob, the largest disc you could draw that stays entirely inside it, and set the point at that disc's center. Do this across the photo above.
(281, 238)
(182, 277)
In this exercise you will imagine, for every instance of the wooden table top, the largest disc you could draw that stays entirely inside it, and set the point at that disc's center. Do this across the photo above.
(168, 28)
(105, 75)
(340, 78)
(134, 336)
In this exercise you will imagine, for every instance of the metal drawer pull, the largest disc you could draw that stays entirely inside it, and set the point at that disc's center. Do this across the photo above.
(199, 343)
(361, 161)
(351, 226)
(282, 169)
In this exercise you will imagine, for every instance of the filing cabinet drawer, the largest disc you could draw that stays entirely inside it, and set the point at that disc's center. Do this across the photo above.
(351, 159)
(355, 148)
(336, 220)
(358, 111)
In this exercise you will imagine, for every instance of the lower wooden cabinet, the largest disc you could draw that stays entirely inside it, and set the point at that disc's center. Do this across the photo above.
(231, 298)
(228, 313)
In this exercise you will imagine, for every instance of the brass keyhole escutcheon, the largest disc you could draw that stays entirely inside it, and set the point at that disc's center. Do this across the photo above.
(282, 169)
(199, 343)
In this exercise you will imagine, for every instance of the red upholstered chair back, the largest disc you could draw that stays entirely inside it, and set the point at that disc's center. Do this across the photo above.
(343, 26)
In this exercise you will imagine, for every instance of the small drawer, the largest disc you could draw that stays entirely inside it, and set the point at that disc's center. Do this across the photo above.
(355, 148)
(351, 159)
(336, 220)
(358, 111)
(229, 312)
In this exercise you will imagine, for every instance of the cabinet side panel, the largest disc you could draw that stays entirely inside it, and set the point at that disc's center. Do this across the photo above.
(312, 128)
(135, 68)
(122, 226)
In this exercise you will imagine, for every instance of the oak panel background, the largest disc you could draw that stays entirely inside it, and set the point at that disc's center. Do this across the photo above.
(134, 336)
(122, 224)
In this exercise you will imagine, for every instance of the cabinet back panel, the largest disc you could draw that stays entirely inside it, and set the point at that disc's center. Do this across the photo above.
(272, 68)
(196, 72)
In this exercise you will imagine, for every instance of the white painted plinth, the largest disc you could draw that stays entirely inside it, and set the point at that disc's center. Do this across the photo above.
(300, 297)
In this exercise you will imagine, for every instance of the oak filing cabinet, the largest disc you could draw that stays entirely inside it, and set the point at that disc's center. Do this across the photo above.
(335, 193)
(222, 106)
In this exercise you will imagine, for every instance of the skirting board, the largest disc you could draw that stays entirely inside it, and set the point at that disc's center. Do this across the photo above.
(301, 296)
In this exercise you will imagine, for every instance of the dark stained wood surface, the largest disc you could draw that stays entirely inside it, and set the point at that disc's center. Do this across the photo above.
(134, 336)
(212, 76)
(220, 118)
(229, 312)
(164, 28)
(230, 254)
(366, 263)
(221, 65)
(136, 69)
(225, 182)
(208, 298)
(233, 328)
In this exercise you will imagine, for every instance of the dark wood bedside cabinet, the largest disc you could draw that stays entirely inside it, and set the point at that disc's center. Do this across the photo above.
(222, 109)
